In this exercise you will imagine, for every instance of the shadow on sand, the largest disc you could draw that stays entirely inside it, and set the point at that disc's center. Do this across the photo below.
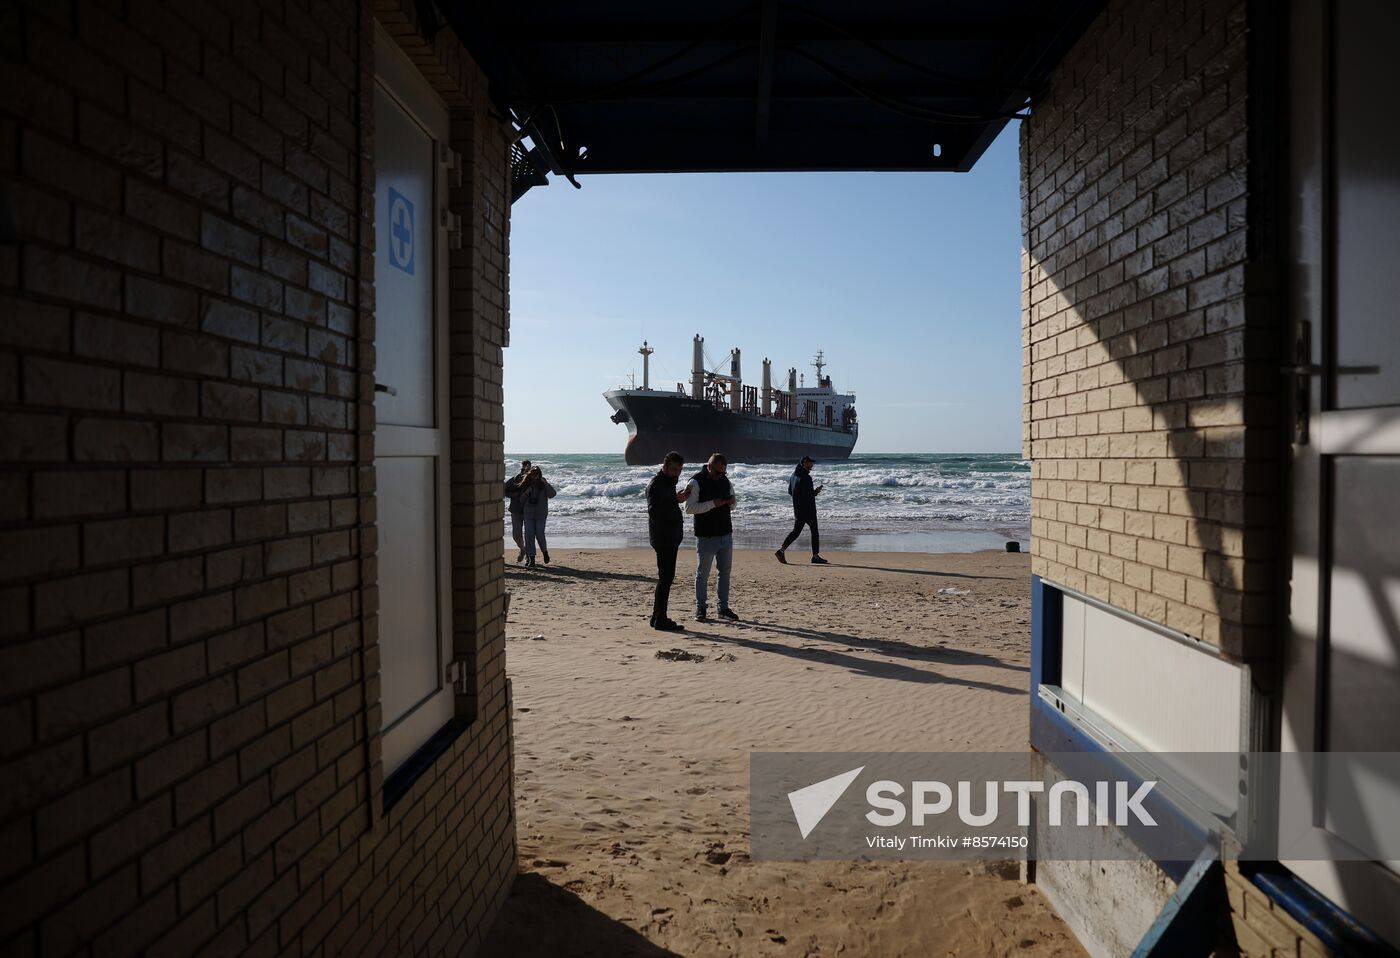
(890, 647)
(555, 572)
(837, 564)
(541, 919)
(856, 665)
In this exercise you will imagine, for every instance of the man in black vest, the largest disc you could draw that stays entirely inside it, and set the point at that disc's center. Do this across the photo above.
(710, 501)
(666, 529)
(804, 510)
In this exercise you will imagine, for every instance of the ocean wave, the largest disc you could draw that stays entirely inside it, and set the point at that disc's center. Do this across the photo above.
(609, 490)
(869, 493)
(959, 482)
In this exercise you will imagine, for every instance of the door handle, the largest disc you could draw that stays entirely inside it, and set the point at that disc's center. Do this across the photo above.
(381, 388)
(1302, 369)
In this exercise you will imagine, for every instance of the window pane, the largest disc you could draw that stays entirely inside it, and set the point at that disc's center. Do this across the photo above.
(411, 667)
(1368, 206)
(404, 214)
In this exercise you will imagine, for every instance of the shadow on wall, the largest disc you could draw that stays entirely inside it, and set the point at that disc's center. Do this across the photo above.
(542, 920)
(1156, 413)
(1157, 222)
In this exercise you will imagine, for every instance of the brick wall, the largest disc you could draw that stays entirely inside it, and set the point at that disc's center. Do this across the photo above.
(189, 749)
(1151, 403)
(1261, 929)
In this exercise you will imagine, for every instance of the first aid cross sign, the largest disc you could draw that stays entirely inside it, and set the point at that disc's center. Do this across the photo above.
(400, 231)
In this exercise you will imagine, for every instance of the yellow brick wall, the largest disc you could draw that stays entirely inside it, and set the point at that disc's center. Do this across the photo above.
(189, 659)
(1260, 928)
(1150, 410)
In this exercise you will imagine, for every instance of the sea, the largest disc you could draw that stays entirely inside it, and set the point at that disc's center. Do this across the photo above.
(895, 502)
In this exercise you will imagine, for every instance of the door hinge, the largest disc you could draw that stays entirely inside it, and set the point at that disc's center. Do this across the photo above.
(452, 222)
(452, 160)
(458, 675)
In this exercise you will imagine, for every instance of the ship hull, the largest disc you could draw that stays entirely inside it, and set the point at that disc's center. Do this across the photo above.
(658, 423)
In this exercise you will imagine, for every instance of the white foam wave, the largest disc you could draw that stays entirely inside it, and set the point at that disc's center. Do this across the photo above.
(879, 493)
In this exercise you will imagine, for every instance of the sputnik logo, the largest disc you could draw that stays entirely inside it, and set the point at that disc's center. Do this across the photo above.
(810, 804)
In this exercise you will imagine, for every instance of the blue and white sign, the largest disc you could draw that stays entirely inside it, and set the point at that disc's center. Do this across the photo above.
(400, 231)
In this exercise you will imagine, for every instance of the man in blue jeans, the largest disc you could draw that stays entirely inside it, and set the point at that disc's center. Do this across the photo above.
(711, 501)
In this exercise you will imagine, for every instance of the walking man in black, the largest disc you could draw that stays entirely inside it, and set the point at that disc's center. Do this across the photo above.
(804, 510)
(666, 529)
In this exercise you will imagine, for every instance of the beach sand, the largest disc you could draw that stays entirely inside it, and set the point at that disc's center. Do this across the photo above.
(632, 771)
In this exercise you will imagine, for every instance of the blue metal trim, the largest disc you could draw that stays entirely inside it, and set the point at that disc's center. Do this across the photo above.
(1336, 928)
(1037, 632)
(1187, 924)
(397, 785)
(1047, 631)
(1052, 732)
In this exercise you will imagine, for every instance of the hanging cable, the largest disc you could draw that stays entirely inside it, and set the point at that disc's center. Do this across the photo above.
(626, 86)
(620, 93)
(895, 105)
(989, 85)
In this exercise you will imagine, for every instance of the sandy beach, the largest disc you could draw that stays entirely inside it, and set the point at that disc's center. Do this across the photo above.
(632, 769)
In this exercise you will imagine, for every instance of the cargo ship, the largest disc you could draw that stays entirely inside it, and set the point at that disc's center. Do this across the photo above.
(718, 413)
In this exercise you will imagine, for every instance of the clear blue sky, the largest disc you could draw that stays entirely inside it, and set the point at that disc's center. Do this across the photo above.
(909, 281)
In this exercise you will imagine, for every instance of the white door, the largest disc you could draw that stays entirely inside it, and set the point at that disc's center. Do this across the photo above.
(1342, 678)
(411, 444)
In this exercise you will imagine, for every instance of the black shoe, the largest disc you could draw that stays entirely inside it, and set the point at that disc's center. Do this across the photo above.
(520, 556)
(818, 560)
(529, 562)
(700, 616)
(729, 614)
(666, 625)
(781, 557)
(546, 557)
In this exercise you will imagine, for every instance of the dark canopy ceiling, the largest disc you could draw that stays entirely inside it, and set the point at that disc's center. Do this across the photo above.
(626, 86)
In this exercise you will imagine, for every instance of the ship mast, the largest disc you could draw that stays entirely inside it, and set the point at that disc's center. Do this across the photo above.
(646, 352)
(819, 361)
